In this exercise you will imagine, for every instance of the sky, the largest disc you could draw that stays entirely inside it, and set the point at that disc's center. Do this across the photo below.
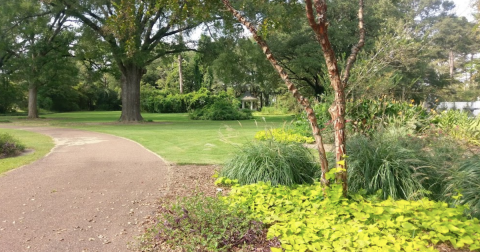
(463, 8)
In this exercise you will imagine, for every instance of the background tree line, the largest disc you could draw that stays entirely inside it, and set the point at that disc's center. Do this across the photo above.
(65, 55)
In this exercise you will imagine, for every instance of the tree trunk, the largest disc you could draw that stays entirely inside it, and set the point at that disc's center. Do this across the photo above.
(131, 76)
(451, 63)
(337, 111)
(261, 101)
(267, 100)
(180, 73)
(32, 101)
(291, 87)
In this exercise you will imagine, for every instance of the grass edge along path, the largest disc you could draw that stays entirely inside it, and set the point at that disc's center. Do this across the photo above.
(38, 143)
(174, 137)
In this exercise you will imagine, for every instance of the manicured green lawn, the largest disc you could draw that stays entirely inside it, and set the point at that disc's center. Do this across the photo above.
(40, 144)
(173, 136)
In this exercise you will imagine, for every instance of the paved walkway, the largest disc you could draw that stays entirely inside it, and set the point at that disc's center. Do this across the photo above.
(90, 193)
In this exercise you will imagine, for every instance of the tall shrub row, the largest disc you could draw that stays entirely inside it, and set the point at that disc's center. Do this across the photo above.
(164, 101)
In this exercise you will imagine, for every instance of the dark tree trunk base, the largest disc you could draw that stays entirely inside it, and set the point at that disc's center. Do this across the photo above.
(131, 76)
(32, 102)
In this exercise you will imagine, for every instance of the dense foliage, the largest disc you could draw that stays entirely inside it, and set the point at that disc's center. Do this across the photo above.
(368, 116)
(279, 163)
(201, 104)
(389, 161)
(314, 218)
(283, 136)
(201, 223)
(464, 180)
(9, 146)
(459, 125)
(221, 109)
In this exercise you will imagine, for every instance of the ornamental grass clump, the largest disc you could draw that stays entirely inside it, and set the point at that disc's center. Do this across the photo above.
(463, 186)
(389, 161)
(278, 163)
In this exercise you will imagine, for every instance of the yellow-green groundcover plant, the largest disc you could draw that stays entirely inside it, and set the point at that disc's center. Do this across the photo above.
(283, 136)
(315, 218)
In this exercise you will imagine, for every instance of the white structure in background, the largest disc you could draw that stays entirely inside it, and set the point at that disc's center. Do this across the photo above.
(248, 97)
(473, 107)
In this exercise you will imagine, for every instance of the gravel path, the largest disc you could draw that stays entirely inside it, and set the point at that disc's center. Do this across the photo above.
(92, 192)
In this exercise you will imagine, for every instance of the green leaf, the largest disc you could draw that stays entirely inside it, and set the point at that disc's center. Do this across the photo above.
(442, 229)
(408, 226)
(466, 240)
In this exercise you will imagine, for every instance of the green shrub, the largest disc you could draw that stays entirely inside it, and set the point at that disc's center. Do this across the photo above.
(459, 125)
(387, 161)
(314, 218)
(221, 109)
(283, 136)
(273, 111)
(201, 223)
(367, 116)
(301, 125)
(279, 163)
(9, 146)
(10, 95)
(161, 101)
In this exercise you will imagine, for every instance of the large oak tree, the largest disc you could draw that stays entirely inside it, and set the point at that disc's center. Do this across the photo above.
(138, 32)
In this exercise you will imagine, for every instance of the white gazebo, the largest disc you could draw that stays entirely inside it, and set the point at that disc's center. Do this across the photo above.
(248, 97)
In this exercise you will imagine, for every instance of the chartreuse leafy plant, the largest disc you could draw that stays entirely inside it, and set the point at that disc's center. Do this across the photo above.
(283, 136)
(316, 218)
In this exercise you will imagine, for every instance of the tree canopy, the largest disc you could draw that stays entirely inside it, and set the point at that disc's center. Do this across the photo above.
(116, 46)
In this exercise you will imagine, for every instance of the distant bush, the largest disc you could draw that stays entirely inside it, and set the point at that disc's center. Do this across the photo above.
(273, 111)
(201, 223)
(279, 163)
(159, 101)
(221, 109)
(283, 136)
(9, 146)
(367, 116)
(10, 96)
(201, 104)
(459, 125)
(301, 125)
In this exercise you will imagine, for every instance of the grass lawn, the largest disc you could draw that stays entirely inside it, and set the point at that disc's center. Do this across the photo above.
(41, 145)
(173, 136)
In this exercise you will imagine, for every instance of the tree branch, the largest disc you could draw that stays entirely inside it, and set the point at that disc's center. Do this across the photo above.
(310, 15)
(356, 48)
(291, 87)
